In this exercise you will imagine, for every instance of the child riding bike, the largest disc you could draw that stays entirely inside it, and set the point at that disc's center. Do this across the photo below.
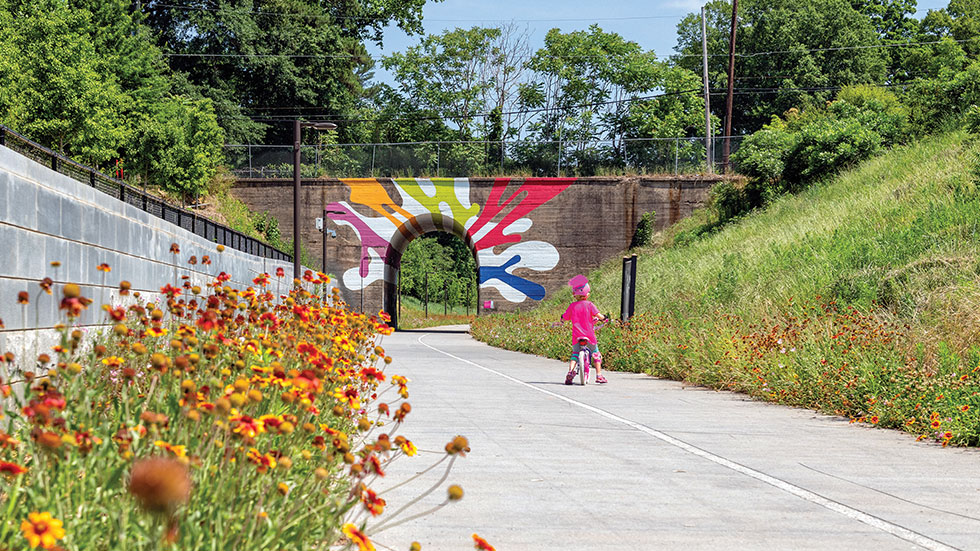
(583, 315)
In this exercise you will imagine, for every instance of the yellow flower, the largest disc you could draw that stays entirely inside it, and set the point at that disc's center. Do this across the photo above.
(358, 537)
(42, 529)
(179, 451)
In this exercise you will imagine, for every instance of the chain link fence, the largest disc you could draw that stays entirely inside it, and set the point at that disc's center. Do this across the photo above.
(481, 158)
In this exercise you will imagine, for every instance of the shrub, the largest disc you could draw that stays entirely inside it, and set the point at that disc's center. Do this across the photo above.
(180, 146)
(788, 154)
(728, 200)
(644, 230)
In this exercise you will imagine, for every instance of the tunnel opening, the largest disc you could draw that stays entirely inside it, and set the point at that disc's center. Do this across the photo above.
(437, 282)
(431, 274)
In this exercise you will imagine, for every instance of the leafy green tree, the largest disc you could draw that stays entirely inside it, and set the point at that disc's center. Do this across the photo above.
(792, 152)
(593, 85)
(791, 53)
(182, 145)
(892, 19)
(253, 59)
(58, 91)
(445, 74)
(448, 263)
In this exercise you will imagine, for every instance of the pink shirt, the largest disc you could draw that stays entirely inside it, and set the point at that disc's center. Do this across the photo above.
(581, 314)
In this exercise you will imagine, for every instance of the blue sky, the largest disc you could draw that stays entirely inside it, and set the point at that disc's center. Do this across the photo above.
(650, 23)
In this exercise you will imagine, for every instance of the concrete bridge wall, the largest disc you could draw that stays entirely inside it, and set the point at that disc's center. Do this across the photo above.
(529, 235)
(46, 216)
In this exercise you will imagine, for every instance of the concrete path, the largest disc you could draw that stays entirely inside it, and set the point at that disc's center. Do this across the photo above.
(643, 463)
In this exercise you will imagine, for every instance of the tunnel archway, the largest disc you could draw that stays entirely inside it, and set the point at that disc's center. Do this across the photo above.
(414, 228)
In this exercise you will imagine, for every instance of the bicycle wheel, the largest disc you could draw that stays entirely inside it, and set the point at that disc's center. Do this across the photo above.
(583, 357)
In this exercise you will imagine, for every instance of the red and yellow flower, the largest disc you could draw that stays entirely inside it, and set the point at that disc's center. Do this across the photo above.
(41, 529)
(357, 537)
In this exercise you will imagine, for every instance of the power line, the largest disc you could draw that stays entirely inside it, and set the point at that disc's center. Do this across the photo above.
(608, 56)
(414, 118)
(835, 49)
(370, 18)
(342, 118)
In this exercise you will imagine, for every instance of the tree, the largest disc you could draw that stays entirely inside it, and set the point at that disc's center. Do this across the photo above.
(892, 19)
(790, 53)
(264, 62)
(448, 75)
(593, 85)
(57, 90)
(181, 146)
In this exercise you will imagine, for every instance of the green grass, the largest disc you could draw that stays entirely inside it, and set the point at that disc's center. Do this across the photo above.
(413, 316)
(859, 296)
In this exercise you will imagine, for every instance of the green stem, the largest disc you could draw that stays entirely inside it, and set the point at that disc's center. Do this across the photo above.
(11, 501)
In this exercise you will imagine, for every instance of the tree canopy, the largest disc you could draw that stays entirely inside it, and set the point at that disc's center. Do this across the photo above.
(789, 53)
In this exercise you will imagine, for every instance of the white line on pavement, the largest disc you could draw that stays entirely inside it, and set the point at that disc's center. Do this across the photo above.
(850, 512)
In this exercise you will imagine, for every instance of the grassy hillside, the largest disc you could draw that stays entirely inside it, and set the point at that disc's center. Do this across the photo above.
(859, 296)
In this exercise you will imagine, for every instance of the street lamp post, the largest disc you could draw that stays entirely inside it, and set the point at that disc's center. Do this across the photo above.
(298, 125)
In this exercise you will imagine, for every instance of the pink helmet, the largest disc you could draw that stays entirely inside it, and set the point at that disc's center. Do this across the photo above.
(580, 285)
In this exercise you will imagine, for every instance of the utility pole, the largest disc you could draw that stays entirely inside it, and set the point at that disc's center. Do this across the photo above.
(709, 149)
(731, 90)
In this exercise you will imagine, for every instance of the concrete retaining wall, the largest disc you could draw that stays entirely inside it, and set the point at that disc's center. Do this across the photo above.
(46, 217)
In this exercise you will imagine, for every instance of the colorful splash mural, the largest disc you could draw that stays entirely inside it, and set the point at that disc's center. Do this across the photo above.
(423, 205)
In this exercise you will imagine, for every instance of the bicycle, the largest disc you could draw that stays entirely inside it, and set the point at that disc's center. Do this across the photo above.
(584, 364)
(584, 361)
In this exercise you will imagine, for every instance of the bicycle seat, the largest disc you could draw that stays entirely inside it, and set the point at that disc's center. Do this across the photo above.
(583, 341)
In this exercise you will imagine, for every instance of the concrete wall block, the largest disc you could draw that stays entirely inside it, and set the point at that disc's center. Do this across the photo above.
(10, 311)
(106, 235)
(56, 250)
(72, 220)
(5, 195)
(73, 263)
(91, 258)
(22, 206)
(31, 255)
(49, 211)
(90, 224)
(122, 228)
(9, 250)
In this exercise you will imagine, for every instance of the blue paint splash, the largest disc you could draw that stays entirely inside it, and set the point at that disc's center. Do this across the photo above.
(529, 288)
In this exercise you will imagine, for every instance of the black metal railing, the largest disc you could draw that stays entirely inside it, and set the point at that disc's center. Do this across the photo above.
(184, 218)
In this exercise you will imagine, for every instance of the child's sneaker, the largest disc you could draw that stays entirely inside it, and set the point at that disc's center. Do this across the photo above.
(600, 379)
(569, 377)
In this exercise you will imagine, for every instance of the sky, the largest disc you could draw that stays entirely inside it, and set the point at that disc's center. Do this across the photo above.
(650, 23)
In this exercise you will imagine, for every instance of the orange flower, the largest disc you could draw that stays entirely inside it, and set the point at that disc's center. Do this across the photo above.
(263, 461)
(103, 267)
(246, 426)
(947, 435)
(113, 361)
(358, 537)
(935, 423)
(964, 407)
(459, 445)
(11, 469)
(480, 543)
(179, 451)
(372, 502)
(160, 484)
(42, 529)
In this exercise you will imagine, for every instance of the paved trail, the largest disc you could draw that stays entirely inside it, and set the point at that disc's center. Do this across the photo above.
(643, 463)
